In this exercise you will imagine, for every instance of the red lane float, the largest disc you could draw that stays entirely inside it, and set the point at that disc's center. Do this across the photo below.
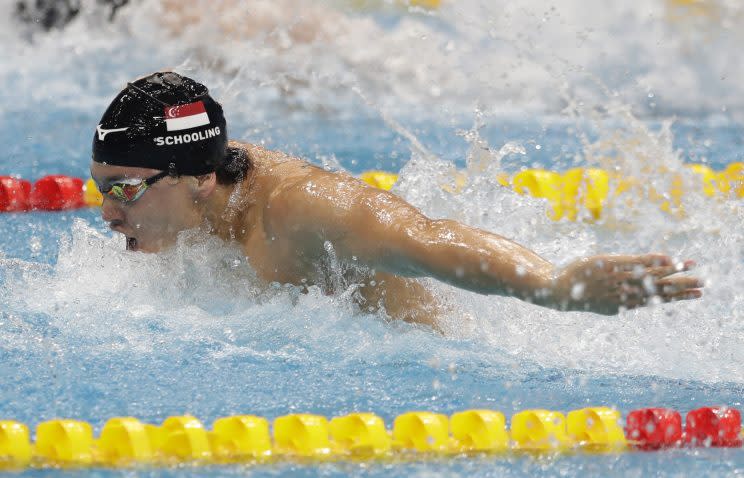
(14, 194)
(654, 428)
(713, 427)
(57, 192)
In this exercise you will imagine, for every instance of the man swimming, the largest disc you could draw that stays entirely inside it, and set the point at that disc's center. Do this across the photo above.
(162, 160)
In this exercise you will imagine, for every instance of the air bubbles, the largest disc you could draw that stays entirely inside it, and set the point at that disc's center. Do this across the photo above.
(34, 243)
(577, 291)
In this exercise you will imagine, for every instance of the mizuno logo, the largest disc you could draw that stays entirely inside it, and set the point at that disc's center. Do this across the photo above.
(103, 132)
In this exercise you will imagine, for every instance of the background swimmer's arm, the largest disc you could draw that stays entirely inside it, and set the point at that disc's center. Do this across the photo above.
(381, 230)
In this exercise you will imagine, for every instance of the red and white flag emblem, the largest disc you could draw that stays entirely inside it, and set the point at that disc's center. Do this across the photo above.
(185, 116)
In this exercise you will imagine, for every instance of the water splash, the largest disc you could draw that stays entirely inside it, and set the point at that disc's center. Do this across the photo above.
(100, 332)
(679, 340)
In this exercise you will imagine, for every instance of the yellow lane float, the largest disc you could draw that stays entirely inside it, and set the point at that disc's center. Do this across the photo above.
(361, 434)
(241, 437)
(91, 195)
(124, 441)
(479, 430)
(538, 430)
(597, 428)
(302, 435)
(183, 439)
(15, 445)
(421, 431)
(583, 187)
(64, 443)
(379, 179)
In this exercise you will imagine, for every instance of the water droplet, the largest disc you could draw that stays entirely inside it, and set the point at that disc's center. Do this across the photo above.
(577, 290)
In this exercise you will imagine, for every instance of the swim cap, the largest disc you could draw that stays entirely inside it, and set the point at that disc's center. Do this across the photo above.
(163, 121)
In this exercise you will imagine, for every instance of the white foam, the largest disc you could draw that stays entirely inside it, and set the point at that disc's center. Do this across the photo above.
(690, 340)
(509, 57)
(598, 63)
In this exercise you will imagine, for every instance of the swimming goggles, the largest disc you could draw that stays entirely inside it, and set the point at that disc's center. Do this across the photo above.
(129, 190)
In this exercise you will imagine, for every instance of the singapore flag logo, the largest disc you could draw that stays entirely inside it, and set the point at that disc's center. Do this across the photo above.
(185, 116)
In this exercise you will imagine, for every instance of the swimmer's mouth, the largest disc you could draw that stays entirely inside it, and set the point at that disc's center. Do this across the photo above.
(131, 244)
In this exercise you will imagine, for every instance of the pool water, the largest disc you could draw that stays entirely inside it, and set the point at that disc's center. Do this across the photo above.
(91, 331)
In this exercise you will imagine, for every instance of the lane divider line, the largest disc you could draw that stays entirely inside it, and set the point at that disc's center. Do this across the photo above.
(301, 437)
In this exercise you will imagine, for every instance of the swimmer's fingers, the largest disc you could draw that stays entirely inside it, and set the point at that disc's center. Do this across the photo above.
(628, 283)
(630, 295)
(673, 285)
(684, 295)
(639, 273)
(664, 271)
(640, 301)
(631, 262)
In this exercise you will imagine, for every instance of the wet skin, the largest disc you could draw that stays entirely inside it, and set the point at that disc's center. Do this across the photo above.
(288, 216)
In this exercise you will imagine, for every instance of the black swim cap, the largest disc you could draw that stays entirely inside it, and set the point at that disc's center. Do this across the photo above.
(163, 121)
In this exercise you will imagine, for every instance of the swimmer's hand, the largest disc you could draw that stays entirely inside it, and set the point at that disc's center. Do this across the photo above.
(608, 284)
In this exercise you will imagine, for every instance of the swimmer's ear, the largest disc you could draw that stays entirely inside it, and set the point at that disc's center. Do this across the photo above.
(205, 184)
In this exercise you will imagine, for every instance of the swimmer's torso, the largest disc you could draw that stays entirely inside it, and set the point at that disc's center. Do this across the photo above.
(257, 217)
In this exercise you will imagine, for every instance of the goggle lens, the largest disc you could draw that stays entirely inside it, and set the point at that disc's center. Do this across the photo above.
(127, 192)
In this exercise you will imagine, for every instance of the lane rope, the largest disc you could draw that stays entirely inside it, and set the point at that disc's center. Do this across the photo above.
(575, 194)
(125, 441)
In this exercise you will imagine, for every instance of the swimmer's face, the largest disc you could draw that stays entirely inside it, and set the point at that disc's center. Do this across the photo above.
(153, 221)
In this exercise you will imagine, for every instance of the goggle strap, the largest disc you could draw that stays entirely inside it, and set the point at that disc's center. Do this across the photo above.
(153, 179)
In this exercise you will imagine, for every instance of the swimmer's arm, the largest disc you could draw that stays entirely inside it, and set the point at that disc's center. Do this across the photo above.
(380, 230)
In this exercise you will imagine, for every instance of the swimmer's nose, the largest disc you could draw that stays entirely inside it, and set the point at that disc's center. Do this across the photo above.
(110, 212)
(115, 223)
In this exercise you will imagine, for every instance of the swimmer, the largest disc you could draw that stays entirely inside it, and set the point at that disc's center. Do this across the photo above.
(162, 160)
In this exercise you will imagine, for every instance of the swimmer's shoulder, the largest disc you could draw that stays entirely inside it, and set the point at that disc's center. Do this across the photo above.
(286, 187)
(280, 172)
(278, 165)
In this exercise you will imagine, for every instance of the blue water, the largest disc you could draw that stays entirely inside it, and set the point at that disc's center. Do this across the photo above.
(90, 331)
